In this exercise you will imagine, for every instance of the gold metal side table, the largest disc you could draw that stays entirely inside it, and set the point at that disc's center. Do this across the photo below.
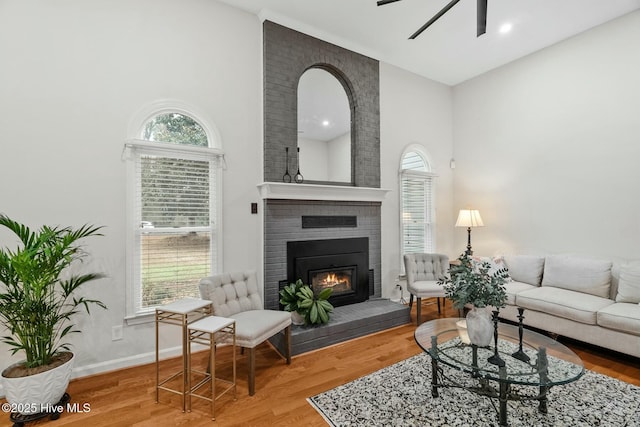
(180, 313)
(209, 331)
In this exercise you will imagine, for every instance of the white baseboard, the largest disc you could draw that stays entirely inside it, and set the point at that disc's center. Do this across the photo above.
(124, 362)
(121, 363)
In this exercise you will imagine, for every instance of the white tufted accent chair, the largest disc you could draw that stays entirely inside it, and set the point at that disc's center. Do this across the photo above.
(423, 271)
(236, 296)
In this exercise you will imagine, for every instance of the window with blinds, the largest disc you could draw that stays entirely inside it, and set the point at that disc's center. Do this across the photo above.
(416, 204)
(174, 214)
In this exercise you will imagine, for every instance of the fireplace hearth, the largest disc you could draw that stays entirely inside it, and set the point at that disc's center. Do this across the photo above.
(341, 264)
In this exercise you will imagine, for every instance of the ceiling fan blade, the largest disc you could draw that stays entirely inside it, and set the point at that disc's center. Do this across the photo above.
(383, 2)
(435, 18)
(482, 17)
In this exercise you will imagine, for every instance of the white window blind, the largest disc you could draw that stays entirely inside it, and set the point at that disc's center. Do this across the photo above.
(416, 205)
(174, 220)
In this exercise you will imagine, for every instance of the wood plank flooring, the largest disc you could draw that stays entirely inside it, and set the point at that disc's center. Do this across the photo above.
(127, 397)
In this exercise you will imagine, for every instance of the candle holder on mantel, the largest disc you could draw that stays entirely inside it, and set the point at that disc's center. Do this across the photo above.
(495, 359)
(520, 355)
(287, 176)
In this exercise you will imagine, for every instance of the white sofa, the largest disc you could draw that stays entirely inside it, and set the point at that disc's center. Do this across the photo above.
(590, 300)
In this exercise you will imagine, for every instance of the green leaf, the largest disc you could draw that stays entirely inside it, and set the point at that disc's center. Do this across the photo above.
(305, 292)
(326, 305)
(313, 313)
(325, 293)
(305, 303)
(324, 317)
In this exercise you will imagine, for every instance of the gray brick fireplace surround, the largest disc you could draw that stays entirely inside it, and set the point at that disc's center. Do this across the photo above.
(287, 55)
(283, 222)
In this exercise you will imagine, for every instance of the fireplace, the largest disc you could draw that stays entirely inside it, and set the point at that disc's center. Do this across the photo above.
(341, 264)
(340, 280)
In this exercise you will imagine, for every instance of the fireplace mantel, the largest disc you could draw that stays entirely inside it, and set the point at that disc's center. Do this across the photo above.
(290, 191)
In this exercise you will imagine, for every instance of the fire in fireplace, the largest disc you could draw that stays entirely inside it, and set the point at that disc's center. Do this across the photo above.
(342, 264)
(338, 280)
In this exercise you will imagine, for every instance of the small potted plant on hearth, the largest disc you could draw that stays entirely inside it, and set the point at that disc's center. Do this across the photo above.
(38, 302)
(305, 306)
(476, 283)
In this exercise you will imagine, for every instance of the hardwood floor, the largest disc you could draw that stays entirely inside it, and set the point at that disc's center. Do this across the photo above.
(127, 397)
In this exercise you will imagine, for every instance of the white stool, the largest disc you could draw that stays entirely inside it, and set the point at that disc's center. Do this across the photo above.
(204, 331)
(181, 313)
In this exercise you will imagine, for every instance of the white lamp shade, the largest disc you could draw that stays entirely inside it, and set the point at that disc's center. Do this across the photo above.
(469, 218)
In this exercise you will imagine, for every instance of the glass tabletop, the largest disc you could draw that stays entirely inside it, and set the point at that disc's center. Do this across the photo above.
(550, 363)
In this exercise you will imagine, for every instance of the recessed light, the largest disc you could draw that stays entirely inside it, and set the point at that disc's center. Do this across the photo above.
(325, 123)
(505, 28)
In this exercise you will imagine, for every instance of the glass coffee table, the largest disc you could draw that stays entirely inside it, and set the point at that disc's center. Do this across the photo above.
(515, 378)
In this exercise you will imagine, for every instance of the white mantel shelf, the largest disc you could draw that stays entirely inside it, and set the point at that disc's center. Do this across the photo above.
(290, 191)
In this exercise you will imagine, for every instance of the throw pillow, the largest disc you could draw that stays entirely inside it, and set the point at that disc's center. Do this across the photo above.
(497, 265)
(629, 283)
(525, 268)
(587, 275)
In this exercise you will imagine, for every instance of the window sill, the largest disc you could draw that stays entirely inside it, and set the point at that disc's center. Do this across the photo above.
(140, 319)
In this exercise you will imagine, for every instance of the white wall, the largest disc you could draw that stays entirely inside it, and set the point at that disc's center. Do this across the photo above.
(73, 75)
(547, 148)
(413, 110)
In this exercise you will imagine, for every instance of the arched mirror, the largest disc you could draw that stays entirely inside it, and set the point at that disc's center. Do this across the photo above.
(324, 128)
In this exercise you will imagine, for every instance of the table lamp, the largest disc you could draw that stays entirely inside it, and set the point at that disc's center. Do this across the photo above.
(469, 218)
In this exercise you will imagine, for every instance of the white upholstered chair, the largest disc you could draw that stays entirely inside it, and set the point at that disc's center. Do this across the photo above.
(236, 296)
(423, 272)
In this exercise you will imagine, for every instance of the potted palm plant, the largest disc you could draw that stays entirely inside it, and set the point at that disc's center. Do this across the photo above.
(476, 284)
(37, 307)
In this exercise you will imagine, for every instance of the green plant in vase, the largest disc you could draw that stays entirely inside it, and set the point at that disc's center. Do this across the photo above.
(316, 307)
(289, 300)
(472, 282)
(305, 306)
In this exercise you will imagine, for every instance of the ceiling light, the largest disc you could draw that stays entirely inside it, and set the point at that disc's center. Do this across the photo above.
(325, 123)
(505, 28)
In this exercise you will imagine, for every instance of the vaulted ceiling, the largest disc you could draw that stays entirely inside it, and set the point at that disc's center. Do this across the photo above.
(448, 51)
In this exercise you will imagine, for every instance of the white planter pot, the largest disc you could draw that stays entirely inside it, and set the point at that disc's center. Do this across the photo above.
(479, 326)
(32, 394)
(297, 318)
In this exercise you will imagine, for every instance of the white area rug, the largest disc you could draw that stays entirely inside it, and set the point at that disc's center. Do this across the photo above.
(400, 395)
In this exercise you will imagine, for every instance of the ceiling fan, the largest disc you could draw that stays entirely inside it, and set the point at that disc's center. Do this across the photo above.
(481, 16)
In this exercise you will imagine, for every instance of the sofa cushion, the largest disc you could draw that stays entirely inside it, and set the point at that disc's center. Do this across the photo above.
(629, 283)
(589, 276)
(525, 268)
(426, 289)
(571, 305)
(623, 317)
(514, 288)
(255, 326)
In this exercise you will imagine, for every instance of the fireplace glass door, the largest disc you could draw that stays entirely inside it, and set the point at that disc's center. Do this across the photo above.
(339, 279)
